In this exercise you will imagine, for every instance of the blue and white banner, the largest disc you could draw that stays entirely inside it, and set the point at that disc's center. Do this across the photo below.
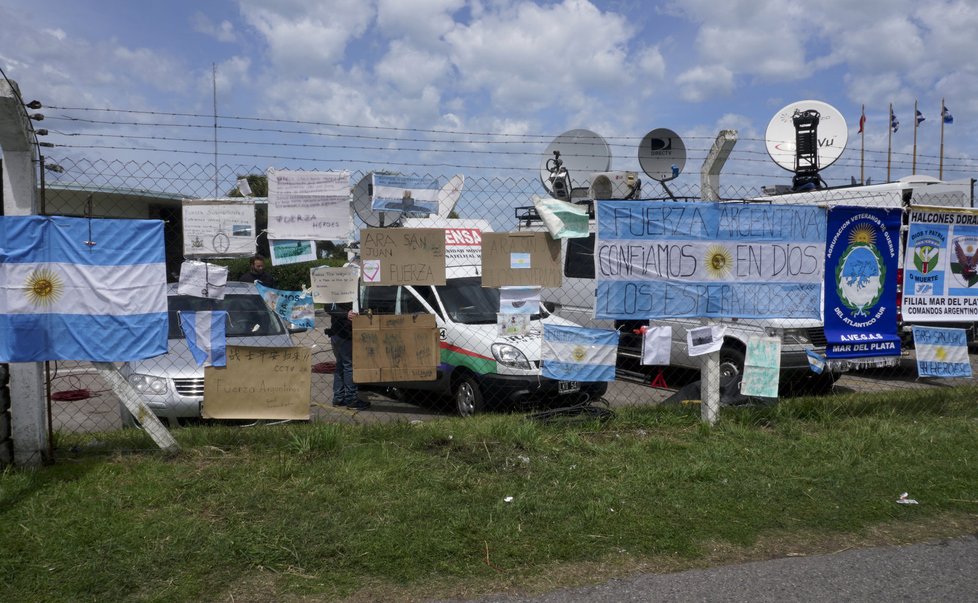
(940, 265)
(861, 262)
(710, 260)
(816, 361)
(81, 289)
(206, 335)
(411, 195)
(941, 352)
(578, 353)
(295, 307)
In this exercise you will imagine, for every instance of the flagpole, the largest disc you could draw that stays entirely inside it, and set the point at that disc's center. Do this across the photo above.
(889, 143)
(940, 173)
(862, 146)
(913, 170)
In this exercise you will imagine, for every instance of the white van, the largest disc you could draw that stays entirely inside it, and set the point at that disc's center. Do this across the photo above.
(575, 299)
(479, 369)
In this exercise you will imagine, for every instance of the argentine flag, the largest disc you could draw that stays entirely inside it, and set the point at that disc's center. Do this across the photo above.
(81, 289)
(206, 334)
(578, 353)
(941, 352)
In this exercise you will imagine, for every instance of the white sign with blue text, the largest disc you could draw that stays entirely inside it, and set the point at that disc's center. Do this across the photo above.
(671, 259)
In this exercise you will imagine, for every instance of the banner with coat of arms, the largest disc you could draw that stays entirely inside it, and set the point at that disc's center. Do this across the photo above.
(940, 268)
(861, 262)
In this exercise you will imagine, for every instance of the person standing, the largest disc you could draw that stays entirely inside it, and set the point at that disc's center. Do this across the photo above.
(340, 334)
(256, 272)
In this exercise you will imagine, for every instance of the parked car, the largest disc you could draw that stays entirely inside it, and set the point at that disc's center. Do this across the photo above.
(172, 385)
(479, 369)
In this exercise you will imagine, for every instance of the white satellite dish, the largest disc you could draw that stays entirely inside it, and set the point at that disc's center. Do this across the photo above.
(449, 195)
(582, 152)
(832, 134)
(362, 199)
(662, 154)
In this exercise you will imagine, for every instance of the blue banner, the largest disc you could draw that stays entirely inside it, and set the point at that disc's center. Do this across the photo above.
(671, 259)
(295, 307)
(861, 262)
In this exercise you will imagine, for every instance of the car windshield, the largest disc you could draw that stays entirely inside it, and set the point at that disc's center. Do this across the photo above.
(466, 301)
(248, 316)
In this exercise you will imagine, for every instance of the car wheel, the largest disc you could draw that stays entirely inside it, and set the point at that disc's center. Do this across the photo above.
(731, 368)
(467, 396)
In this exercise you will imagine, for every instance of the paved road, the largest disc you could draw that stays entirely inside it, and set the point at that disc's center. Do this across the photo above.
(937, 571)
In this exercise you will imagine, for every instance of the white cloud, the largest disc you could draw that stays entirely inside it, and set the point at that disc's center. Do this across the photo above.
(702, 83)
(526, 55)
(307, 37)
(423, 22)
(651, 63)
(411, 69)
(222, 32)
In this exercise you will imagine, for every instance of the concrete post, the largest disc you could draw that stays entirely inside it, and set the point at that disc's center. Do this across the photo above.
(28, 410)
(713, 164)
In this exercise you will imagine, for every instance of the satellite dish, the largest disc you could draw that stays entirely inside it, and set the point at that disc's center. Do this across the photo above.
(662, 154)
(582, 152)
(362, 199)
(832, 134)
(449, 194)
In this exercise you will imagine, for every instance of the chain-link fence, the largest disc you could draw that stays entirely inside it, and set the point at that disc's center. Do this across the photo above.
(481, 370)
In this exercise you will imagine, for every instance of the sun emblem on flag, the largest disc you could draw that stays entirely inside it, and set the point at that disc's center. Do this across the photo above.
(579, 353)
(719, 261)
(44, 287)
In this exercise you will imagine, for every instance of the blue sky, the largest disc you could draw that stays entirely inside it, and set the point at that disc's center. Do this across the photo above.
(446, 86)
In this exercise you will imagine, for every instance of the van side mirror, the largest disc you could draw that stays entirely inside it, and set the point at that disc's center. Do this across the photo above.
(551, 306)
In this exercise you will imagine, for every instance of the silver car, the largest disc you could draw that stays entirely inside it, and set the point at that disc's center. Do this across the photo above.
(172, 385)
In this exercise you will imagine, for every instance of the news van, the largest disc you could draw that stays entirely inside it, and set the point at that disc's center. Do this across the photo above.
(479, 369)
(574, 300)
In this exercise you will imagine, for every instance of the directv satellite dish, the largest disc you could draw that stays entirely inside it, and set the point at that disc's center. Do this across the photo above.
(582, 152)
(449, 194)
(832, 134)
(362, 199)
(662, 154)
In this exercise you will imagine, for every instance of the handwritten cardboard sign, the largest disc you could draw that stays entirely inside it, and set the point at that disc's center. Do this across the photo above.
(403, 256)
(402, 347)
(259, 383)
(520, 259)
(334, 284)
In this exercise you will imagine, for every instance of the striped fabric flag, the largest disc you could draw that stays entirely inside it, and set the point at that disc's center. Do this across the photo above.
(578, 353)
(941, 352)
(206, 334)
(81, 289)
(946, 115)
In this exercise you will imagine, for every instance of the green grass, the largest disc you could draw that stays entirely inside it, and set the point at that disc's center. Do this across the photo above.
(400, 511)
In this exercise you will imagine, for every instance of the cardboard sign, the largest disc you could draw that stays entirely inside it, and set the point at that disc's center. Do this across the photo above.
(259, 383)
(334, 284)
(401, 347)
(403, 256)
(520, 259)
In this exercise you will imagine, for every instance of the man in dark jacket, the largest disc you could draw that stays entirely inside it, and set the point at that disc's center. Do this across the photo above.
(341, 337)
(256, 272)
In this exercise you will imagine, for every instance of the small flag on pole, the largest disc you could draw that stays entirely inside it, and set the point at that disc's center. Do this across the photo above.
(894, 122)
(816, 361)
(920, 117)
(862, 122)
(946, 115)
(579, 354)
(206, 337)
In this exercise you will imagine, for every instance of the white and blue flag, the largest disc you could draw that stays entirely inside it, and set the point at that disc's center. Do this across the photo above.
(578, 353)
(81, 289)
(206, 335)
(946, 115)
(941, 352)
